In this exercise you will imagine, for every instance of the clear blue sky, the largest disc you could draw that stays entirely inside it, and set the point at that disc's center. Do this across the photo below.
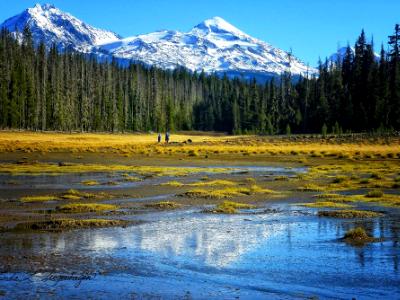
(312, 28)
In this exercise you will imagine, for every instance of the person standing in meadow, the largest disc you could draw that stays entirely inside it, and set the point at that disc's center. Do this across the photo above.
(167, 137)
(159, 138)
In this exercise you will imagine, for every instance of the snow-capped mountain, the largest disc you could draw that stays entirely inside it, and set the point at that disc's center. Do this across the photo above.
(341, 52)
(214, 45)
(51, 25)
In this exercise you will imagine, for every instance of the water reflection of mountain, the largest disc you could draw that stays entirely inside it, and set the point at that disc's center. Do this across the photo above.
(214, 240)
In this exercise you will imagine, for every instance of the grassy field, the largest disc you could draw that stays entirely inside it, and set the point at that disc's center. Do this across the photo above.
(344, 173)
(194, 145)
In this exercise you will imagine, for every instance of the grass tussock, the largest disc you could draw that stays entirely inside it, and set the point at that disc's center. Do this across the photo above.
(374, 194)
(163, 205)
(218, 182)
(349, 214)
(230, 207)
(212, 183)
(90, 182)
(132, 179)
(328, 196)
(66, 224)
(85, 207)
(173, 183)
(311, 188)
(73, 194)
(281, 177)
(227, 192)
(327, 204)
(29, 199)
(357, 236)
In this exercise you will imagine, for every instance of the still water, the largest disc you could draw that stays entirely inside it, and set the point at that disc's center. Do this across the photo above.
(286, 252)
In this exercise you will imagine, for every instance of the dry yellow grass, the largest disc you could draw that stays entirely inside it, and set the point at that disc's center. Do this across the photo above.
(230, 207)
(85, 207)
(227, 192)
(127, 144)
(47, 168)
(28, 199)
(331, 204)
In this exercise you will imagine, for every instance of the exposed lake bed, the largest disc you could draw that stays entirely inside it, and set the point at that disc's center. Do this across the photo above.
(168, 227)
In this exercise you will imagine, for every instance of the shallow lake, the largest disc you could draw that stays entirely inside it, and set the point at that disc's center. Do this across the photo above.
(285, 252)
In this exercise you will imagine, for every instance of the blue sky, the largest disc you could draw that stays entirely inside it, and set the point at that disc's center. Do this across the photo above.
(311, 28)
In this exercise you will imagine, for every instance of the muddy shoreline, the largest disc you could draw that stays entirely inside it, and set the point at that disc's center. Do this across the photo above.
(274, 248)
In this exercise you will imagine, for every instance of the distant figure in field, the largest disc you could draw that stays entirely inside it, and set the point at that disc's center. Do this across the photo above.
(159, 137)
(167, 137)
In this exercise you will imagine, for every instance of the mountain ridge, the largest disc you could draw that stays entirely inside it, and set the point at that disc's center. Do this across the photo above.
(212, 46)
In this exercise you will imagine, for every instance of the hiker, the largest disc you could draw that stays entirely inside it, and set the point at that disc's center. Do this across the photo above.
(159, 137)
(167, 137)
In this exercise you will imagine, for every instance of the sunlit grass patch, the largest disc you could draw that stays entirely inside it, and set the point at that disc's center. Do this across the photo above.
(311, 187)
(131, 178)
(66, 224)
(28, 199)
(85, 207)
(90, 182)
(327, 204)
(217, 182)
(78, 195)
(328, 196)
(173, 183)
(256, 189)
(219, 193)
(70, 197)
(250, 180)
(230, 207)
(228, 192)
(55, 169)
(349, 214)
(163, 205)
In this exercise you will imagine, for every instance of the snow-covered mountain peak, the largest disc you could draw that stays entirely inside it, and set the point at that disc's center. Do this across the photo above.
(213, 46)
(53, 26)
(217, 25)
(42, 7)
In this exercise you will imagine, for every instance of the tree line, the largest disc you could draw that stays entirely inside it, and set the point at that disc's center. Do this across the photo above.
(45, 89)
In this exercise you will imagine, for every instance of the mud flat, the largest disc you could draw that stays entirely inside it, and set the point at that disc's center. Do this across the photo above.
(219, 217)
